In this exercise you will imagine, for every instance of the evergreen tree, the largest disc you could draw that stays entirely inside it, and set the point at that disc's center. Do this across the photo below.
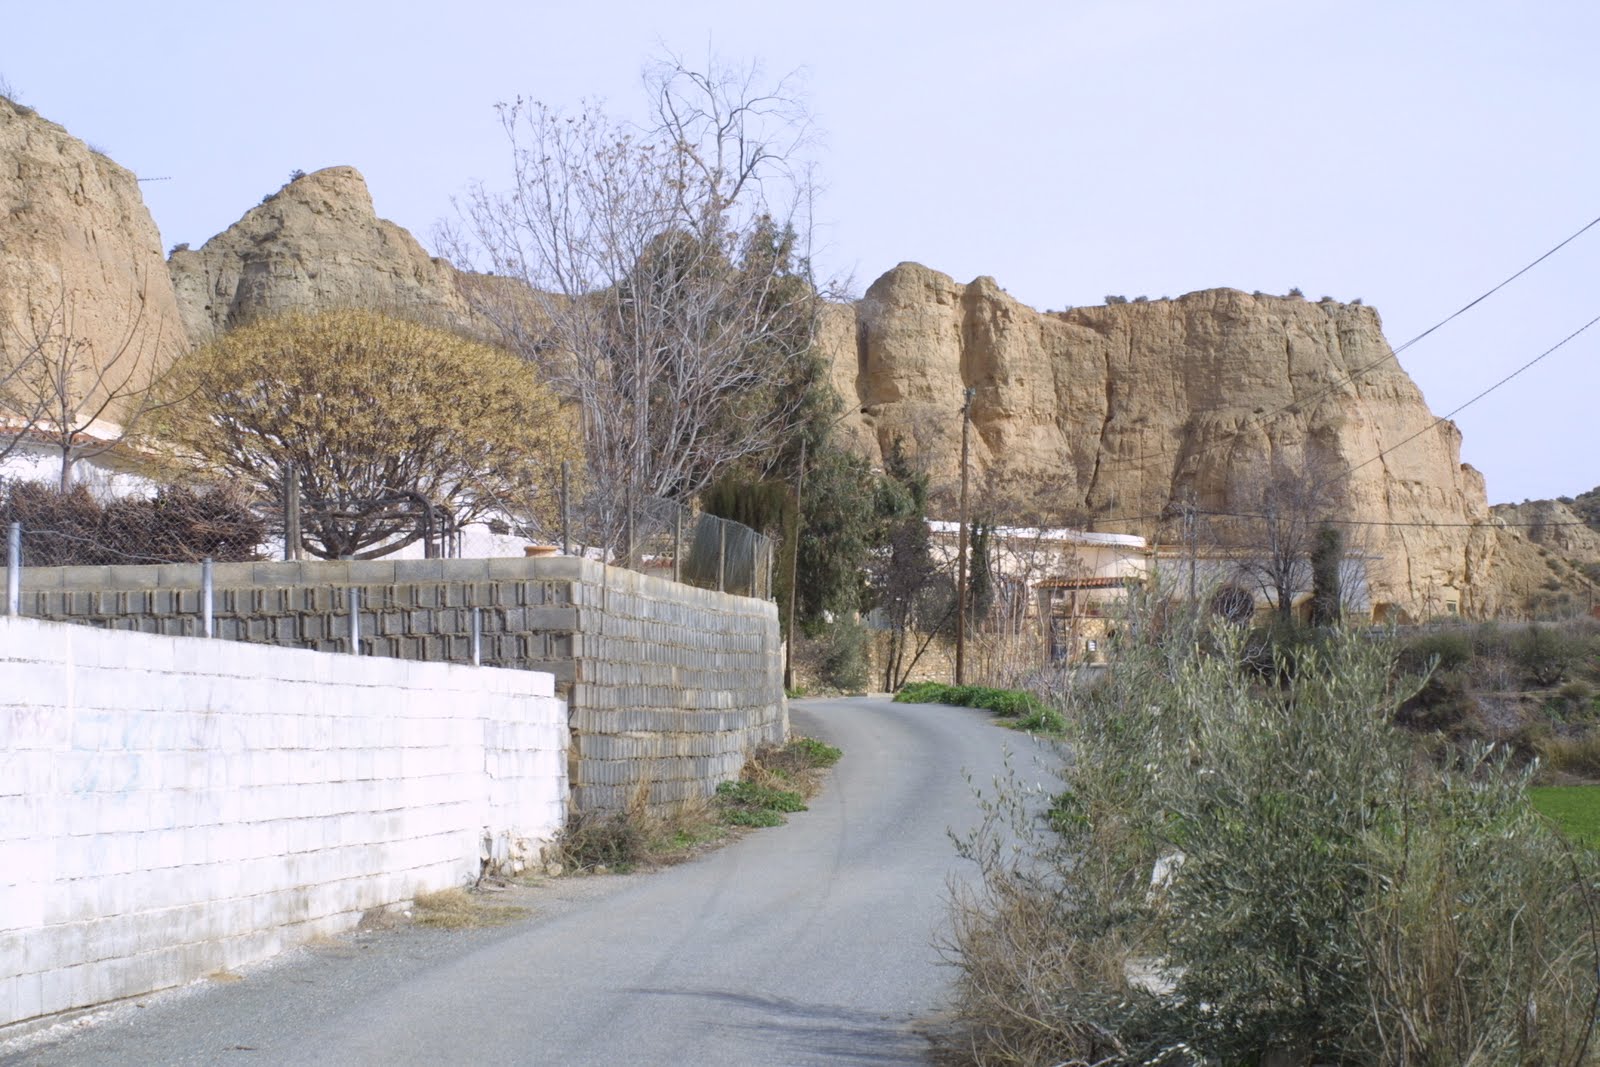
(1327, 553)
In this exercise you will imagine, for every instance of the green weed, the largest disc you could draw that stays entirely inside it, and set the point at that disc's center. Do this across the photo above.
(1030, 712)
(1575, 809)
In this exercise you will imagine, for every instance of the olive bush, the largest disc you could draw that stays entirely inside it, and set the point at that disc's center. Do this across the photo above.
(1242, 865)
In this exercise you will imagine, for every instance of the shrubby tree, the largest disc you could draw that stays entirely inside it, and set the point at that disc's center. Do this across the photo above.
(843, 524)
(175, 524)
(1327, 557)
(1237, 872)
(366, 408)
(980, 573)
(914, 596)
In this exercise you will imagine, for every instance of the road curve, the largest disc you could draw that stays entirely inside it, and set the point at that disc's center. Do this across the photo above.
(809, 943)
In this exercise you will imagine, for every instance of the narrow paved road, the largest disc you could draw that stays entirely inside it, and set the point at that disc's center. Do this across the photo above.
(809, 943)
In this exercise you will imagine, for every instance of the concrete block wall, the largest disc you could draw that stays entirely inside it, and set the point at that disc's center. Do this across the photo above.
(669, 686)
(675, 686)
(171, 807)
(409, 609)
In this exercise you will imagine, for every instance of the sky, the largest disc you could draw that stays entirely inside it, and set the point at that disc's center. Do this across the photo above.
(1411, 154)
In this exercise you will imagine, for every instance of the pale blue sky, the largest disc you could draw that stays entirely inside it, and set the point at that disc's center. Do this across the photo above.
(1411, 154)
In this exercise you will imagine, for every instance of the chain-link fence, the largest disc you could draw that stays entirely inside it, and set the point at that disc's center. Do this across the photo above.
(188, 524)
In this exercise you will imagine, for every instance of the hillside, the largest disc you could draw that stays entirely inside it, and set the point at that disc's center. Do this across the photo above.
(1109, 415)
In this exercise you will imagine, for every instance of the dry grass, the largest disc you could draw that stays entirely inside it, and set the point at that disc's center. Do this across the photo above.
(457, 909)
(1031, 988)
(645, 837)
(799, 766)
(640, 837)
(1578, 757)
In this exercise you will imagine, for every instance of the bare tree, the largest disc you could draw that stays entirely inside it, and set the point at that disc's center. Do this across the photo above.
(669, 294)
(80, 396)
(1272, 522)
(21, 406)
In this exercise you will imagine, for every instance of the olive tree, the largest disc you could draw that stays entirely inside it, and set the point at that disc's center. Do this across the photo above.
(366, 408)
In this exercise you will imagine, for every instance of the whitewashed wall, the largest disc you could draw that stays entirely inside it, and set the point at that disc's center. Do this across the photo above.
(170, 807)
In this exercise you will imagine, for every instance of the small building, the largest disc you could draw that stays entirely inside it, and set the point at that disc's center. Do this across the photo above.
(1067, 586)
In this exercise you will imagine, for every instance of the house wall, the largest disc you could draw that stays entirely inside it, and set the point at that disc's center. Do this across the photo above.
(171, 807)
(669, 686)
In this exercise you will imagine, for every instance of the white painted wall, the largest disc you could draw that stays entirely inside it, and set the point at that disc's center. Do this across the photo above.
(170, 807)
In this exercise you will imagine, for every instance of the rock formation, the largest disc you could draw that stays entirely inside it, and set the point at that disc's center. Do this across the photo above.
(315, 243)
(1111, 414)
(1116, 412)
(1549, 561)
(80, 260)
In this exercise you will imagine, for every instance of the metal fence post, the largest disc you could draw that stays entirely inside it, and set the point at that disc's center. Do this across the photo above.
(207, 592)
(14, 570)
(477, 637)
(566, 507)
(353, 599)
(627, 558)
(677, 542)
(722, 556)
(291, 512)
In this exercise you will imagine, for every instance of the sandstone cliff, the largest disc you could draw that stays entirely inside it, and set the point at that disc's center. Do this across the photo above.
(80, 260)
(1111, 413)
(316, 243)
(1117, 411)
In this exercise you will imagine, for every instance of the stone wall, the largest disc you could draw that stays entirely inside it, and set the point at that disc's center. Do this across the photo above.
(669, 686)
(171, 807)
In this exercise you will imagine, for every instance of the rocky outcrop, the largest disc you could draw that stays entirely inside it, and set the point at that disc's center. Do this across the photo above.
(1548, 561)
(1111, 414)
(1554, 525)
(1116, 412)
(80, 261)
(316, 243)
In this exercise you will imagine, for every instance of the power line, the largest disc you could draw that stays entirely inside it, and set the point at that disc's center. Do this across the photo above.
(1177, 513)
(1491, 521)
(1351, 377)
(1462, 407)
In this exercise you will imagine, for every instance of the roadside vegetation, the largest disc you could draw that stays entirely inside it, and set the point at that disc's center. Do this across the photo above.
(1254, 855)
(458, 909)
(1533, 689)
(1016, 708)
(776, 780)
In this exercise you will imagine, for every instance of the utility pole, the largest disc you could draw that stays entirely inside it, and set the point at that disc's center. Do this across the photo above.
(961, 547)
(794, 569)
(1191, 539)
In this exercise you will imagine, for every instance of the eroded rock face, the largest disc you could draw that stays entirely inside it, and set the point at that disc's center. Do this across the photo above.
(1547, 558)
(315, 244)
(80, 259)
(1118, 411)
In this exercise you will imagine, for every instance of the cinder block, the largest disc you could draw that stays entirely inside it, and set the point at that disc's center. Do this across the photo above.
(418, 570)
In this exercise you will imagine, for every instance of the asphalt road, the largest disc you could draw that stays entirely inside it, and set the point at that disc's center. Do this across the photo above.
(809, 943)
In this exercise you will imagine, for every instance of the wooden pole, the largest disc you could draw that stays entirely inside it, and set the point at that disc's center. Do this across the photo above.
(961, 548)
